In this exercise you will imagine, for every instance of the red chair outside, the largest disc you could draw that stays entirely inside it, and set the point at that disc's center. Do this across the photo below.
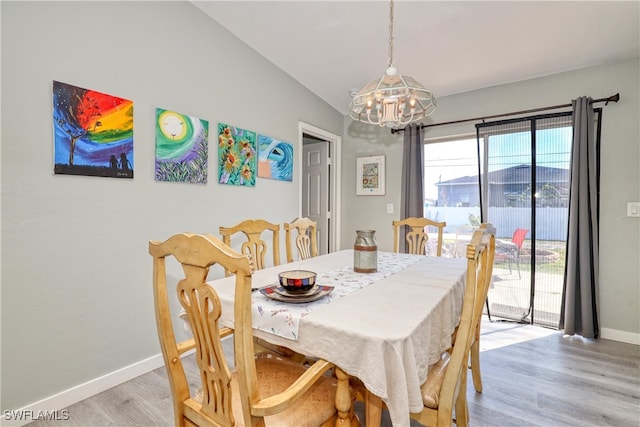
(511, 250)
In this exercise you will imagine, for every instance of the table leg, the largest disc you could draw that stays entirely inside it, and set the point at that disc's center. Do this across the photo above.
(344, 401)
(372, 409)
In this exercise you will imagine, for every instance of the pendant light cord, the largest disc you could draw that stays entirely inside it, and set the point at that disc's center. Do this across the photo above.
(390, 61)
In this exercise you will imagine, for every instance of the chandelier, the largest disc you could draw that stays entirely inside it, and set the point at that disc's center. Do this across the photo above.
(392, 100)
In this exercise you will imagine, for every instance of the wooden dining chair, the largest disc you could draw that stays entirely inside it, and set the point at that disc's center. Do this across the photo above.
(254, 245)
(262, 388)
(446, 386)
(463, 236)
(257, 249)
(416, 234)
(490, 240)
(306, 240)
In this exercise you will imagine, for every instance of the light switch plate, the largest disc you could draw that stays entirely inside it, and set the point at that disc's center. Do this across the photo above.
(389, 207)
(633, 209)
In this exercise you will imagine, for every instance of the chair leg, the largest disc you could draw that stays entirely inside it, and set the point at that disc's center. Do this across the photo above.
(462, 408)
(475, 365)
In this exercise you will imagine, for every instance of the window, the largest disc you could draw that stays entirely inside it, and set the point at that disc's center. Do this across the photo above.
(451, 182)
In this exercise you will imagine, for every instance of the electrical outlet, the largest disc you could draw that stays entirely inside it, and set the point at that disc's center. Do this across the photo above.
(633, 209)
(389, 207)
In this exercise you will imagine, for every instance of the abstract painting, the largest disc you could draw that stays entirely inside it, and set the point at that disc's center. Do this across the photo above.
(181, 147)
(93, 133)
(275, 159)
(237, 160)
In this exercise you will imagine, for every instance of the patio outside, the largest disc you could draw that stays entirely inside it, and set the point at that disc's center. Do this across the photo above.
(510, 291)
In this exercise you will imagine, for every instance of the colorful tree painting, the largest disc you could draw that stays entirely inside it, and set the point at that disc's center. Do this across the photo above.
(275, 159)
(236, 156)
(181, 147)
(93, 132)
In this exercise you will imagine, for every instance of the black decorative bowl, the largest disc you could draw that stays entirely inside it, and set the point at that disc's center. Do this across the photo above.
(297, 280)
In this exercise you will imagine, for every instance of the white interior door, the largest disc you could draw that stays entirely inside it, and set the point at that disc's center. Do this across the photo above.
(327, 190)
(315, 189)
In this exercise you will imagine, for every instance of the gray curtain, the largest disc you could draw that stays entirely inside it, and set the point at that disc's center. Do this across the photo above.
(579, 314)
(412, 191)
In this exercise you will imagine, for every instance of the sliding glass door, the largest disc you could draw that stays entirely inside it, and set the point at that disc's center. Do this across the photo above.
(515, 175)
(525, 195)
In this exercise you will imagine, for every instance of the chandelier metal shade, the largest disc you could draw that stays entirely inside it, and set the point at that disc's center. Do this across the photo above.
(392, 100)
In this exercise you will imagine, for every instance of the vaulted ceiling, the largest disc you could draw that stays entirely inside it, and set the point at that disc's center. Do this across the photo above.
(334, 47)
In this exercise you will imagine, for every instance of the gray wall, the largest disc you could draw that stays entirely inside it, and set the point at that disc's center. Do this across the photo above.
(620, 180)
(76, 274)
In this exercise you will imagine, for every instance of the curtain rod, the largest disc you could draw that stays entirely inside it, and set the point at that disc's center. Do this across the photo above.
(612, 98)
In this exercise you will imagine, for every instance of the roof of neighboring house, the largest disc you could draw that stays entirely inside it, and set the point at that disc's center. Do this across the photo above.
(520, 174)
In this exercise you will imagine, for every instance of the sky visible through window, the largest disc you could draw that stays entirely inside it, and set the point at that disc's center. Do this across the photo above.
(449, 160)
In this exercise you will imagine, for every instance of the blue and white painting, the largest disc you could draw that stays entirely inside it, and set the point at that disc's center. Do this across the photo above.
(275, 159)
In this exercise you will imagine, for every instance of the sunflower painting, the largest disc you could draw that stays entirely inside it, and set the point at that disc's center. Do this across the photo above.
(181, 147)
(237, 160)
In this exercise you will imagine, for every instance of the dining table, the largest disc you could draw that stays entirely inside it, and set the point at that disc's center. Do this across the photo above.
(384, 328)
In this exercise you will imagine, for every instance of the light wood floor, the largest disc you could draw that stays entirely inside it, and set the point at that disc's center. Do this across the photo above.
(532, 377)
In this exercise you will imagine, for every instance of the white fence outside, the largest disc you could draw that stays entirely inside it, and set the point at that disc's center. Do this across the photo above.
(551, 222)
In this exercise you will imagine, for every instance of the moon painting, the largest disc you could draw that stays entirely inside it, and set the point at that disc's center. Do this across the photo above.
(181, 147)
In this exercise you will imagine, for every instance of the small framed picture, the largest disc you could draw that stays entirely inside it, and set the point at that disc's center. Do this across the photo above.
(370, 176)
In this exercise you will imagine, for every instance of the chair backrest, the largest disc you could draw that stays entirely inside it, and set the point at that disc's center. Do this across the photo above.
(479, 259)
(417, 236)
(489, 240)
(306, 239)
(518, 237)
(254, 246)
(197, 253)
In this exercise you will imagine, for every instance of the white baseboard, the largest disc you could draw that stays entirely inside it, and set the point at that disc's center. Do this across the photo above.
(621, 336)
(48, 407)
